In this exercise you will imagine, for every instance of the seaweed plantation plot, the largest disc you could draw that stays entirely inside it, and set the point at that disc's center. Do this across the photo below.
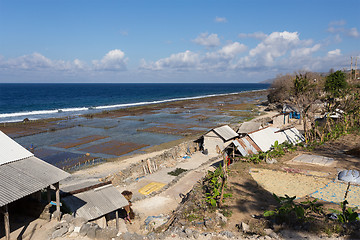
(64, 160)
(174, 129)
(114, 147)
(27, 128)
(79, 141)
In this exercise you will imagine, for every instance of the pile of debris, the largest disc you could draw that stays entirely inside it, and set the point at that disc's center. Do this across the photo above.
(79, 227)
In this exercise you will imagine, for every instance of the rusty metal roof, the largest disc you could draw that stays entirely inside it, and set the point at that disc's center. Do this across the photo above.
(225, 132)
(246, 146)
(10, 150)
(96, 203)
(24, 177)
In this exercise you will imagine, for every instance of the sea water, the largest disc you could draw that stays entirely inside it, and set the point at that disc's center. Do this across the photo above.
(38, 101)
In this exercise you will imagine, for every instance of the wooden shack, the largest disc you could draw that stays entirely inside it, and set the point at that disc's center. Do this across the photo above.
(22, 175)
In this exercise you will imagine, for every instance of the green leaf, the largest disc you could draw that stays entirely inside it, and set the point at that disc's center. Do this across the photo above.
(300, 212)
(353, 217)
(269, 213)
(213, 202)
(335, 211)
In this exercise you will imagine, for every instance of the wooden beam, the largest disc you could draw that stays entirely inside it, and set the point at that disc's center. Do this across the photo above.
(7, 222)
(57, 188)
(117, 219)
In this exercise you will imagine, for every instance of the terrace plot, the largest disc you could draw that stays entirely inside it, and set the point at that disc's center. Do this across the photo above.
(173, 129)
(79, 141)
(63, 160)
(100, 123)
(114, 147)
(15, 130)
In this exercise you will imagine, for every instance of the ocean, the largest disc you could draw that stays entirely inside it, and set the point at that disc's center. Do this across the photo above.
(39, 101)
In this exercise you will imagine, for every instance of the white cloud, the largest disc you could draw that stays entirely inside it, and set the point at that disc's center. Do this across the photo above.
(278, 51)
(79, 64)
(218, 60)
(233, 49)
(337, 27)
(334, 53)
(256, 35)
(337, 23)
(337, 38)
(124, 33)
(179, 61)
(353, 32)
(114, 60)
(208, 40)
(275, 45)
(29, 62)
(301, 52)
(220, 20)
(275, 53)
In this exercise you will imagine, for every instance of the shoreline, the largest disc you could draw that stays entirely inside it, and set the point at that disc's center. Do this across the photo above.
(127, 111)
(111, 136)
(101, 108)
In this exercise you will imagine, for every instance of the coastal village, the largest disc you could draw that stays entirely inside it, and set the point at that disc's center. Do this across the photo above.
(174, 193)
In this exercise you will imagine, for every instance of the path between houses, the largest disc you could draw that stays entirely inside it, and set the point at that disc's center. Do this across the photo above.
(167, 200)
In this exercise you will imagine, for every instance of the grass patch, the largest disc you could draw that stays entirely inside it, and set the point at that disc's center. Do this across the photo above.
(177, 172)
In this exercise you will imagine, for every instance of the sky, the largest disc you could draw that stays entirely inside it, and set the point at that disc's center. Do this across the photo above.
(202, 41)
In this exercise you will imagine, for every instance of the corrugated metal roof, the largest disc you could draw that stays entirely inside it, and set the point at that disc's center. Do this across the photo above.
(290, 108)
(264, 138)
(226, 132)
(10, 150)
(247, 127)
(292, 135)
(95, 203)
(24, 177)
(246, 146)
(76, 184)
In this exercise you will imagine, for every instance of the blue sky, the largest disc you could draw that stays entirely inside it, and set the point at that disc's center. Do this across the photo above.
(174, 40)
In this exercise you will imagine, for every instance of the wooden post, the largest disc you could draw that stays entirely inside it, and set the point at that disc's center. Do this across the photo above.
(38, 196)
(149, 166)
(57, 188)
(48, 193)
(356, 68)
(117, 219)
(7, 222)
(351, 68)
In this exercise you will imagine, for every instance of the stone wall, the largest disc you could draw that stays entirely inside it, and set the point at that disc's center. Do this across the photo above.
(169, 158)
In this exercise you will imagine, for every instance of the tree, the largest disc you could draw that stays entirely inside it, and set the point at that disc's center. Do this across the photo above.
(280, 89)
(304, 96)
(335, 83)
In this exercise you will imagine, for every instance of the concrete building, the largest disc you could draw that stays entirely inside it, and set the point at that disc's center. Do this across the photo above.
(218, 138)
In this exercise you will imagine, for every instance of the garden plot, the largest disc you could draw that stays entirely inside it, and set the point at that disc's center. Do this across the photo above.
(290, 183)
